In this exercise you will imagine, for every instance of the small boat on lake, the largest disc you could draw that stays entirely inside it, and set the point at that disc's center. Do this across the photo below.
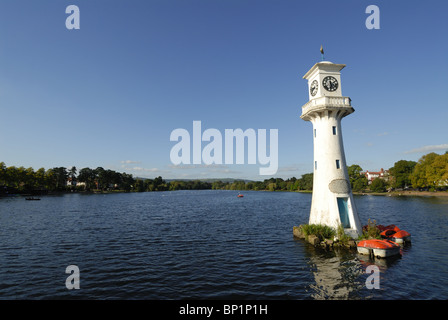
(32, 198)
(396, 235)
(240, 195)
(378, 248)
(400, 237)
(393, 233)
(389, 227)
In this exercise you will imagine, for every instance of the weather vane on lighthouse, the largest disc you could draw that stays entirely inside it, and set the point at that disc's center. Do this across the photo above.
(332, 200)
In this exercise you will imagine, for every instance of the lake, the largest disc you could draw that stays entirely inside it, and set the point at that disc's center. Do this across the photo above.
(210, 244)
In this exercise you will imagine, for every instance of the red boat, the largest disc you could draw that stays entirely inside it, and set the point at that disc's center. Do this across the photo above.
(401, 236)
(392, 232)
(240, 195)
(378, 248)
(396, 235)
(389, 227)
(387, 233)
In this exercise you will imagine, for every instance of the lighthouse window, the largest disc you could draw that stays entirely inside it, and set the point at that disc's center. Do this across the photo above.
(334, 130)
(314, 133)
(315, 165)
(338, 165)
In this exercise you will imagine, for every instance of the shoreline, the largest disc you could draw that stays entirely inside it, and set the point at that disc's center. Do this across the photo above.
(398, 193)
(405, 193)
(389, 194)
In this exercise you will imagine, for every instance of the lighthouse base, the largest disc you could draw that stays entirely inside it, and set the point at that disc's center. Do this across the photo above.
(352, 233)
(335, 210)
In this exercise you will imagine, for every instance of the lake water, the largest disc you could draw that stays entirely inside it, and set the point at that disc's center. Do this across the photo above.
(209, 245)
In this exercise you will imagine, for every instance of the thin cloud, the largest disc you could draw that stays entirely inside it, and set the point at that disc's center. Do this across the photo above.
(144, 169)
(287, 169)
(209, 168)
(130, 162)
(426, 149)
(197, 166)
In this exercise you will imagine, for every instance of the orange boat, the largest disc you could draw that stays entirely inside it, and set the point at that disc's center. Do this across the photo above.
(396, 235)
(389, 227)
(388, 233)
(401, 237)
(240, 195)
(378, 248)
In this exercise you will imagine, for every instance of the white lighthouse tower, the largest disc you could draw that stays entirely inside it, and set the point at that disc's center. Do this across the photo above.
(332, 200)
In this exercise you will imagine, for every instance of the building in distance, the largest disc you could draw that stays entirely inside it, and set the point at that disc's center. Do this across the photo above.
(372, 175)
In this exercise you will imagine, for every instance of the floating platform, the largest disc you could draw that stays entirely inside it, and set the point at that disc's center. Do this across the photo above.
(378, 248)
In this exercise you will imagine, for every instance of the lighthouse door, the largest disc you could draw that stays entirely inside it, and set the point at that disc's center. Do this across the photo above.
(343, 212)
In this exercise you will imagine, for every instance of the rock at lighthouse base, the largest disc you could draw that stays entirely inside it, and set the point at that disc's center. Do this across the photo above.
(298, 232)
(314, 240)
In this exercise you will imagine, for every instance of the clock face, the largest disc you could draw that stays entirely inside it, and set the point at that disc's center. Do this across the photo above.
(313, 87)
(330, 83)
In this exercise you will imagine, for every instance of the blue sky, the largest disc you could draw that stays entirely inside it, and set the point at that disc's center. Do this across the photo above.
(111, 93)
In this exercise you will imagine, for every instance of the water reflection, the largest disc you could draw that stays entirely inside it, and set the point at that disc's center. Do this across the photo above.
(335, 273)
(341, 273)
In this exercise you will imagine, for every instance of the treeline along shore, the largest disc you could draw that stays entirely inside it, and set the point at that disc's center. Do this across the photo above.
(429, 174)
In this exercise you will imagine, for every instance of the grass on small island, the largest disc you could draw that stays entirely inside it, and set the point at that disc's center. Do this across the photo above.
(323, 232)
(370, 231)
(320, 231)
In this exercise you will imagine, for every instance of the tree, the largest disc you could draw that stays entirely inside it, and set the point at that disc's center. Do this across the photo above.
(88, 176)
(236, 185)
(358, 181)
(430, 171)
(272, 186)
(21, 177)
(59, 177)
(139, 185)
(444, 169)
(158, 183)
(438, 173)
(100, 177)
(360, 185)
(72, 175)
(29, 178)
(2, 173)
(40, 178)
(127, 182)
(354, 173)
(378, 185)
(49, 180)
(306, 182)
(401, 173)
(12, 176)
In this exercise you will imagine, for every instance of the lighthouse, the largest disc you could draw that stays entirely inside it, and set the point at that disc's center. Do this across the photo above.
(332, 199)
